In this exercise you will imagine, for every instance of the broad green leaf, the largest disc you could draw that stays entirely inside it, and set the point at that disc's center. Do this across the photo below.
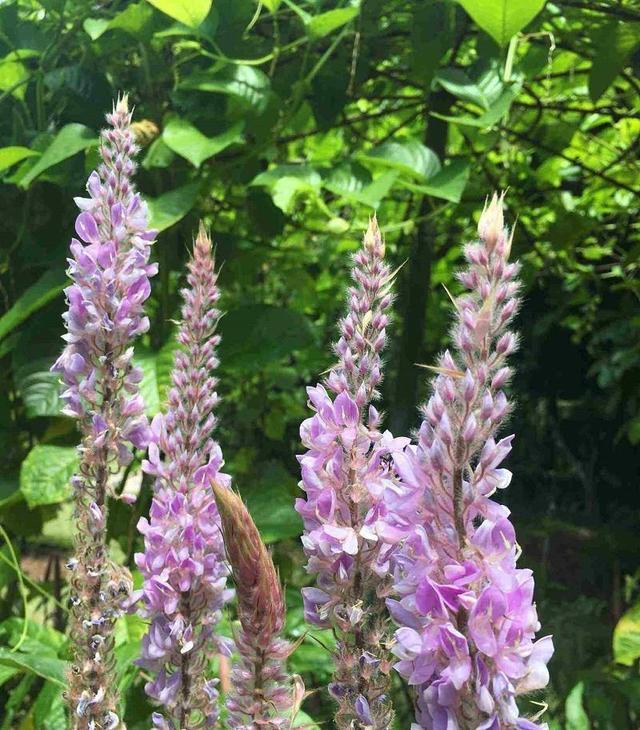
(13, 72)
(502, 19)
(6, 673)
(271, 5)
(247, 83)
(48, 711)
(136, 20)
(146, 361)
(189, 142)
(492, 116)
(271, 176)
(271, 504)
(410, 157)
(189, 12)
(10, 156)
(46, 473)
(158, 155)
(40, 661)
(614, 45)
(325, 23)
(302, 721)
(448, 184)
(48, 286)
(39, 389)
(458, 83)
(256, 335)
(626, 637)
(286, 190)
(576, 717)
(172, 207)
(70, 140)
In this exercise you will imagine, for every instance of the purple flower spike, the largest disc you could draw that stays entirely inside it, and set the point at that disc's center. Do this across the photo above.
(110, 282)
(467, 617)
(345, 474)
(183, 564)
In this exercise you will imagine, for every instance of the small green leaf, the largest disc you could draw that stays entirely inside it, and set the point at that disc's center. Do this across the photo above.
(247, 83)
(10, 156)
(136, 20)
(48, 286)
(325, 23)
(70, 140)
(626, 637)
(42, 662)
(189, 142)
(410, 157)
(614, 45)
(458, 83)
(492, 116)
(95, 27)
(46, 473)
(271, 5)
(189, 12)
(146, 361)
(502, 19)
(302, 721)
(576, 717)
(172, 207)
(39, 389)
(448, 184)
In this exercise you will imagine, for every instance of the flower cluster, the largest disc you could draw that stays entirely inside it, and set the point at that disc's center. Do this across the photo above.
(183, 562)
(466, 612)
(110, 272)
(345, 472)
(263, 694)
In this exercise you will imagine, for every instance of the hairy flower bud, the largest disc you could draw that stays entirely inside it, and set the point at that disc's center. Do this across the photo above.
(263, 695)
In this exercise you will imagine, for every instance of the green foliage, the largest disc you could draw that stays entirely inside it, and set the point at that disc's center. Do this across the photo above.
(283, 125)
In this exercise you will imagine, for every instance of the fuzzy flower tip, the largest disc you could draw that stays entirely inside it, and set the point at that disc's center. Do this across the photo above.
(465, 611)
(263, 694)
(183, 563)
(345, 472)
(110, 282)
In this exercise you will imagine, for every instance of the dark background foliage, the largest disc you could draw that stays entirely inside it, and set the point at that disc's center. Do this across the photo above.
(284, 125)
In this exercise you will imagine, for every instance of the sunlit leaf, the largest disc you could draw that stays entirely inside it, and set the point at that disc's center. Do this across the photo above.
(136, 20)
(498, 110)
(189, 12)
(325, 23)
(189, 142)
(70, 140)
(449, 183)
(410, 157)
(46, 473)
(626, 637)
(10, 156)
(502, 19)
(42, 663)
(576, 717)
(171, 207)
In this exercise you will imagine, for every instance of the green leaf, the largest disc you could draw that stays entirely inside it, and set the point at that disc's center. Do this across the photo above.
(614, 45)
(626, 637)
(448, 184)
(171, 207)
(271, 504)
(247, 83)
(271, 5)
(9, 156)
(13, 72)
(49, 709)
(502, 19)
(156, 369)
(458, 83)
(46, 472)
(39, 389)
(325, 23)
(256, 335)
(136, 20)
(189, 142)
(42, 662)
(48, 286)
(492, 116)
(189, 12)
(304, 722)
(6, 673)
(410, 157)
(576, 717)
(70, 140)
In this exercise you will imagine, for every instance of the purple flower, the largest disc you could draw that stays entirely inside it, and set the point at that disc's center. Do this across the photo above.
(110, 282)
(345, 474)
(466, 612)
(183, 563)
